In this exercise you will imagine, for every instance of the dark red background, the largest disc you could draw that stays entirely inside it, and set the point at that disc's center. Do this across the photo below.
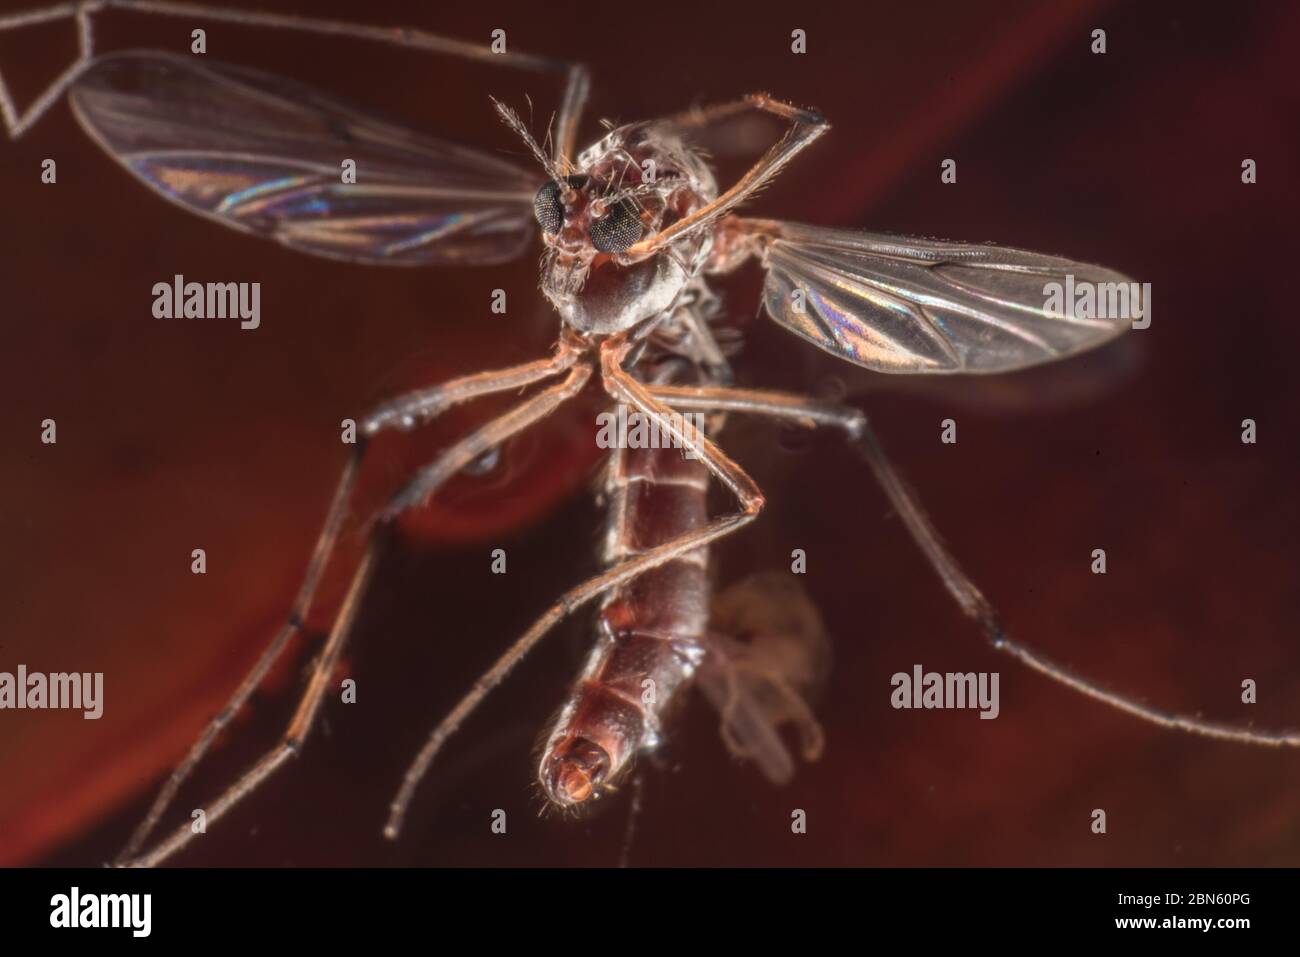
(173, 436)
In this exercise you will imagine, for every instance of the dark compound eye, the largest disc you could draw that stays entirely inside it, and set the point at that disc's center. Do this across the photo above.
(618, 229)
(547, 207)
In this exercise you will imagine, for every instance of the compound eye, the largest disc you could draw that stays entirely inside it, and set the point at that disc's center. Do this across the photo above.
(548, 208)
(618, 229)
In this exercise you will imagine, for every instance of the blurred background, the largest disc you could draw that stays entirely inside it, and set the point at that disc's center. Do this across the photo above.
(174, 436)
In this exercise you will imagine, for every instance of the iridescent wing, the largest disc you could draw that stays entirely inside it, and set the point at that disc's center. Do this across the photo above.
(899, 304)
(265, 156)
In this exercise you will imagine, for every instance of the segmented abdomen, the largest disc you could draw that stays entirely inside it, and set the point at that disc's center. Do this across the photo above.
(649, 631)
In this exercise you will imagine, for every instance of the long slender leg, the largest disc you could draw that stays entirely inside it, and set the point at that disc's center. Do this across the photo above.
(403, 412)
(802, 410)
(972, 602)
(417, 408)
(492, 433)
(303, 719)
(293, 624)
(806, 126)
(576, 78)
(430, 478)
(17, 123)
(622, 386)
(633, 813)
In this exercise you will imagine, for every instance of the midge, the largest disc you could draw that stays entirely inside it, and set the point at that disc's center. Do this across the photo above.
(632, 228)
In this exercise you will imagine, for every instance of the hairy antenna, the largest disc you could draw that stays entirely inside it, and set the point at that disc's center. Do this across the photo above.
(512, 120)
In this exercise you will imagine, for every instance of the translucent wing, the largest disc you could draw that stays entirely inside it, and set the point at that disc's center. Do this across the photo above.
(898, 304)
(264, 155)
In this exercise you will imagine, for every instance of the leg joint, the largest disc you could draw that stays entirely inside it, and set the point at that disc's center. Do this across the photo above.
(854, 423)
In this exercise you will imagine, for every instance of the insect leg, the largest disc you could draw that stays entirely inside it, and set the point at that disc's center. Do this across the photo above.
(633, 812)
(977, 607)
(576, 78)
(620, 385)
(964, 591)
(803, 410)
(805, 127)
(430, 478)
(416, 407)
(16, 124)
(303, 719)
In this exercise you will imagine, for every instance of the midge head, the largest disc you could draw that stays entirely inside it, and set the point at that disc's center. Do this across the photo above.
(598, 218)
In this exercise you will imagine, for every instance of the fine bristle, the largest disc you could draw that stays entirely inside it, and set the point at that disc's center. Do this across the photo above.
(512, 120)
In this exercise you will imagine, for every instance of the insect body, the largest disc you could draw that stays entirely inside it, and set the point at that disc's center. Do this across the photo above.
(651, 630)
(632, 228)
